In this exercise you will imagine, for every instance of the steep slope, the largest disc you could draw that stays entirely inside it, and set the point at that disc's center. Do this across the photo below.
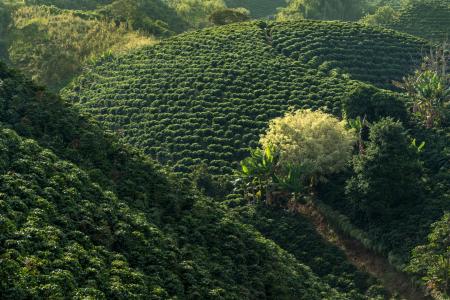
(258, 8)
(70, 225)
(296, 234)
(204, 97)
(63, 236)
(428, 19)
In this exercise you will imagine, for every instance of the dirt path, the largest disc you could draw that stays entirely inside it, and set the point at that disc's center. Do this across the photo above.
(395, 282)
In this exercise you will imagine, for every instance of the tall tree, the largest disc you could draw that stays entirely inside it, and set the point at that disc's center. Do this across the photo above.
(388, 175)
(348, 10)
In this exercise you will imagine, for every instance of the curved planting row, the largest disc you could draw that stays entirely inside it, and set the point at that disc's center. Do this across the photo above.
(205, 97)
(429, 19)
(368, 54)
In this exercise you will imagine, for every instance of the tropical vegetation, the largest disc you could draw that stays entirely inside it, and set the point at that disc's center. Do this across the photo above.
(194, 151)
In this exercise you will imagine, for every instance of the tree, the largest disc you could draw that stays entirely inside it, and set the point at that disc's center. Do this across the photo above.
(153, 17)
(316, 142)
(429, 88)
(228, 16)
(388, 175)
(5, 19)
(360, 126)
(196, 12)
(373, 104)
(384, 15)
(432, 260)
(349, 10)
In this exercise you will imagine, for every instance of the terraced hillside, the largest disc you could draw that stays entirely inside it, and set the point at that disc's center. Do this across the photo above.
(258, 8)
(367, 54)
(205, 97)
(428, 19)
(85, 217)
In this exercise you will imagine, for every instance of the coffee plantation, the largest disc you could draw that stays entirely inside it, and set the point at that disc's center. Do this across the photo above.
(195, 151)
(429, 19)
(205, 97)
(84, 216)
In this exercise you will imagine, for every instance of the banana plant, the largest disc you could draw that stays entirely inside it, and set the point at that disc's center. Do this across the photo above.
(258, 170)
(264, 176)
(429, 88)
(292, 182)
(419, 148)
(358, 125)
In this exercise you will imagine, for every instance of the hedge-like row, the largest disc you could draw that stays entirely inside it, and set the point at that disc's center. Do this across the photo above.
(83, 216)
(429, 19)
(205, 97)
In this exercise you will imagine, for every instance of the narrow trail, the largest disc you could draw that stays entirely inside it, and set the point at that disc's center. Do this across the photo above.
(397, 283)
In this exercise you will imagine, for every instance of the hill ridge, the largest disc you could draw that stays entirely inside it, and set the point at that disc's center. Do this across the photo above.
(171, 99)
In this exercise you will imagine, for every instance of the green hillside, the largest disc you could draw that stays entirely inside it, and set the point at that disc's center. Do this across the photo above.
(52, 45)
(367, 54)
(152, 16)
(52, 40)
(258, 8)
(429, 19)
(83, 216)
(205, 97)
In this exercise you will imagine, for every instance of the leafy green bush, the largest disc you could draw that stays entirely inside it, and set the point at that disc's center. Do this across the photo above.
(258, 8)
(150, 16)
(228, 16)
(374, 104)
(316, 142)
(387, 176)
(196, 12)
(429, 19)
(432, 260)
(54, 45)
(383, 16)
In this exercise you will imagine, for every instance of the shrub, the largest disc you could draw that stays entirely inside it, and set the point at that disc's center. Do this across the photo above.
(387, 176)
(315, 141)
(374, 104)
(228, 16)
(384, 15)
(432, 260)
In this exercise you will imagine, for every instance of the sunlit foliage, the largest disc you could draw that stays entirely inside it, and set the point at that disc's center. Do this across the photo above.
(316, 142)
(53, 45)
(206, 97)
(347, 10)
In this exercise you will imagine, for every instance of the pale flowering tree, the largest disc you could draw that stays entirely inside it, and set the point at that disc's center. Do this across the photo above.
(316, 142)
